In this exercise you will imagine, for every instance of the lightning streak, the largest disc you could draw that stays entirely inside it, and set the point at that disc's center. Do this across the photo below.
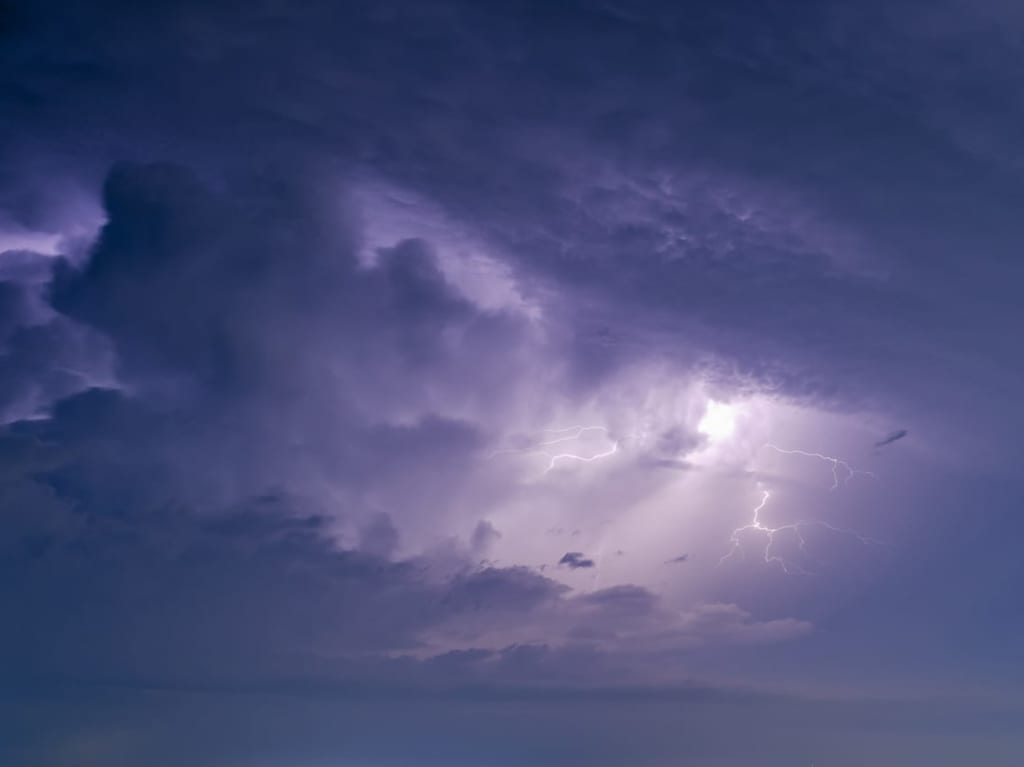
(568, 434)
(756, 525)
(796, 528)
(837, 463)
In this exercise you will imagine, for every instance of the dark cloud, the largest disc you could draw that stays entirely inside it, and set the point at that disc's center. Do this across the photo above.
(44, 356)
(678, 560)
(891, 437)
(622, 599)
(575, 560)
(636, 208)
(517, 588)
(484, 536)
(256, 353)
(279, 423)
(256, 593)
(379, 536)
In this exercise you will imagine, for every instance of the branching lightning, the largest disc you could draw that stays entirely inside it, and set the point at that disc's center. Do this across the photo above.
(837, 463)
(842, 473)
(568, 434)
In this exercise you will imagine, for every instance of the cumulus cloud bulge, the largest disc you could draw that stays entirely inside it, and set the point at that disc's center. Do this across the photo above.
(542, 382)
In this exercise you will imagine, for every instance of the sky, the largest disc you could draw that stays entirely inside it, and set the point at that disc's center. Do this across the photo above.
(540, 382)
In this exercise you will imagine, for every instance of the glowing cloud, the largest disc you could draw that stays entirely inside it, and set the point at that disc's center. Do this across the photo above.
(718, 422)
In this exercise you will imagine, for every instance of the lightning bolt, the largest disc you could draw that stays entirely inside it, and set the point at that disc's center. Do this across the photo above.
(796, 528)
(837, 463)
(568, 434)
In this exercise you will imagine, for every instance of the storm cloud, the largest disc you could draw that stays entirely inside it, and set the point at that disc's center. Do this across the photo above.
(344, 349)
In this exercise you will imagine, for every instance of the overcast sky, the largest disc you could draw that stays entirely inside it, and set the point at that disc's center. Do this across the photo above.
(542, 382)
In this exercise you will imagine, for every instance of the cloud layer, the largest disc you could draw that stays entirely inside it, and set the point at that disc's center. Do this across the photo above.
(365, 349)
